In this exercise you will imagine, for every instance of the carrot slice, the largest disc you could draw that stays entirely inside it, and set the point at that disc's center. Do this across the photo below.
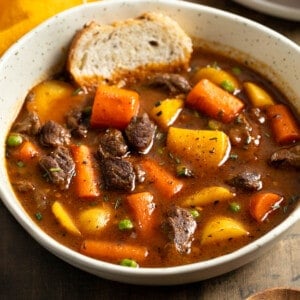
(262, 204)
(26, 151)
(86, 177)
(113, 251)
(284, 126)
(165, 182)
(114, 107)
(212, 100)
(143, 207)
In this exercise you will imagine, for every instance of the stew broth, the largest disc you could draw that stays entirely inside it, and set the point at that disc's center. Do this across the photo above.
(37, 193)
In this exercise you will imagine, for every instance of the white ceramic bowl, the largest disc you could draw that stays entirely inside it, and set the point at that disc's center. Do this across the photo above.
(42, 51)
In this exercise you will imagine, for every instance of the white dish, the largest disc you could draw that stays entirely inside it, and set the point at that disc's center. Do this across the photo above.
(287, 9)
(36, 56)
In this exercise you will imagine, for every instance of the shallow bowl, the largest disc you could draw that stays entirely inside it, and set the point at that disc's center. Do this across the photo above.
(41, 53)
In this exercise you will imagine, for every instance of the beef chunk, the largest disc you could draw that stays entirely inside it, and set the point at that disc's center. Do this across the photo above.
(24, 186)
(75, 122)
(53, 134)
(287, 157)
(112, 143)
(243, 132)
(181, 227)
(248, 181)
(41, 200)
(59, 167)
(118, 174)
(140, 133)
(173, 83)
(29, 125)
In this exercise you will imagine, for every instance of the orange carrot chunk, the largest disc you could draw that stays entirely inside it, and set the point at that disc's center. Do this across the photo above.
(26, 151)
(164, 182)
(113, 251)
(143, 207)
(86, 176)
(214, 101)
(284, 126)
(114, 107)
(262, 204)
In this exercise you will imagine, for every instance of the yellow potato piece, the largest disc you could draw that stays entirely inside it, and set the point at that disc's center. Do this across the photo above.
(64, 218)
(222, 229)
(165, 112)
(257, 95)
(201, 148)
(207, 196)
(52, 96)
(217, 76)
(17, 17)
(94, 219)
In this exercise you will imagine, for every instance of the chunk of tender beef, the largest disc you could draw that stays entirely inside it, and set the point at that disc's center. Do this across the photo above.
(118, 174)
(41, 199)
(76, 124)
(140, 133)
(24, 186)
(173, 83)
(59, 167)
(244, 132)
(181, 227)
(112, 143)
(248, 181)
(53, 134)
(30, 125)
(287, 157)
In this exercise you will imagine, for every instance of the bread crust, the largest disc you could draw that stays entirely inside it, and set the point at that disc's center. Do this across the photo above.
(127, 50)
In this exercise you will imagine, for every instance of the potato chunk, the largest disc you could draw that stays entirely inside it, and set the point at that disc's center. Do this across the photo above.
(201, 148)
(94, 219)
(257, 95)
(207, 196)
(52, 100)
(218, 76)
(64, 218)
(165, 112)
(221, 229)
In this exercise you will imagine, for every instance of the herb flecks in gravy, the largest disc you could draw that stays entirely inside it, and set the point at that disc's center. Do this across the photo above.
(173, 170)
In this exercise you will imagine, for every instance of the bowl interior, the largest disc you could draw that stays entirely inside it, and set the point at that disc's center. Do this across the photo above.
(41, 53)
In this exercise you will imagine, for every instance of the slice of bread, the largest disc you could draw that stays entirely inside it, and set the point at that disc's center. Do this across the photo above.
(128, 50)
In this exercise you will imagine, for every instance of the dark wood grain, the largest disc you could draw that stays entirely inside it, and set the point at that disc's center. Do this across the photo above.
(28, 271)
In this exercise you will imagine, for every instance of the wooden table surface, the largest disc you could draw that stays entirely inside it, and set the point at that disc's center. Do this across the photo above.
(28, 271)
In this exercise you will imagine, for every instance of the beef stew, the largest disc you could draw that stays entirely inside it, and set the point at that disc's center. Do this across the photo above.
(182, 180)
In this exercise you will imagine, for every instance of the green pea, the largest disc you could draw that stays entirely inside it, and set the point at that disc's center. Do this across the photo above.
(127, 262)
(14, 140)
(125, 224)
(195, 213)
(228, 86)
(234, 207)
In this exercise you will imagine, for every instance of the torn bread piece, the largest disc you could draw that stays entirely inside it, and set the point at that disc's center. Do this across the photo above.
(128, 50)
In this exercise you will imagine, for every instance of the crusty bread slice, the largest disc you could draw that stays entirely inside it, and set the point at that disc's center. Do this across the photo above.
(127, 50)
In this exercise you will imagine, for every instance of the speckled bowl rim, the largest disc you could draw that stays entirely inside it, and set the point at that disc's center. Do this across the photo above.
(147, 276)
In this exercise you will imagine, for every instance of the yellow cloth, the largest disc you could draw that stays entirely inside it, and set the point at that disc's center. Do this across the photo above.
(19, 16)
